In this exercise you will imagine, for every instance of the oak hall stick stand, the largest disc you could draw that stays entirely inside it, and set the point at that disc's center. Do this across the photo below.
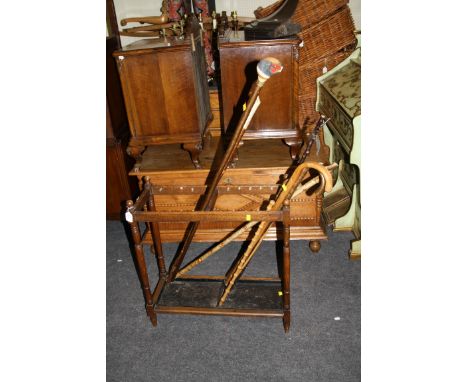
(253, 296)
(199, 295)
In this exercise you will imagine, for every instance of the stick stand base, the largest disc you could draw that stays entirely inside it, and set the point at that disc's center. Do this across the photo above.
(252, 297)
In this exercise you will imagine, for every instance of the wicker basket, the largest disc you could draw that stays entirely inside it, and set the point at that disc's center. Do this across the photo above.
(308, 75)
(310, 12)
(262, 12)
(327, 37)
(307, 13)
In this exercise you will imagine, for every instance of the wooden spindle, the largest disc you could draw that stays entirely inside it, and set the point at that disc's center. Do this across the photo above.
(286, 266)
(141, 264)
(155, 232)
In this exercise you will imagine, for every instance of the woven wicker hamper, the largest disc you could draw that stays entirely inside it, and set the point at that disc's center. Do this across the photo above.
(328, 36)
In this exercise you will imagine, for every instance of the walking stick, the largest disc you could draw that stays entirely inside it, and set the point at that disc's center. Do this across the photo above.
(241, 230)
(312, 138)
(287, 190)
(265, 69)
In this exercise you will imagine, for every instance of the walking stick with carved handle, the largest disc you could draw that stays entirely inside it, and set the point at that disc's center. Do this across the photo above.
(266, 68)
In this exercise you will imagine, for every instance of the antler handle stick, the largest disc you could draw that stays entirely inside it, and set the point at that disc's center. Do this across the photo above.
(266, 68)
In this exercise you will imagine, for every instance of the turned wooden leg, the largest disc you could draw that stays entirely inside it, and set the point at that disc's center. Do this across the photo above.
(135, 152)
(295, 145)
(194, 150)
(156, 235)
(314, 246)
(286, 268)
(142, 270)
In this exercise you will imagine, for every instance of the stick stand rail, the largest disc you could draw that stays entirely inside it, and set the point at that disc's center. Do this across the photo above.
(253, 296)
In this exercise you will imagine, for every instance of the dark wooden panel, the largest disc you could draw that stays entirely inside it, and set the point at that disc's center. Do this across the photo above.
(160, 91)
(277, 115)
(119, 186)
(178, 86)
(112, 25)
(166, 93)
(118, 125)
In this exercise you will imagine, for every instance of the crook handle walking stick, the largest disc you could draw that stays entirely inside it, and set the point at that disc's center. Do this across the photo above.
(265, 68)
(287, 191)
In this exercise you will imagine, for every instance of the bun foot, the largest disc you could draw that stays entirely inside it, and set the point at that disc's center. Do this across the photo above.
(314, 246)
(286, 321)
